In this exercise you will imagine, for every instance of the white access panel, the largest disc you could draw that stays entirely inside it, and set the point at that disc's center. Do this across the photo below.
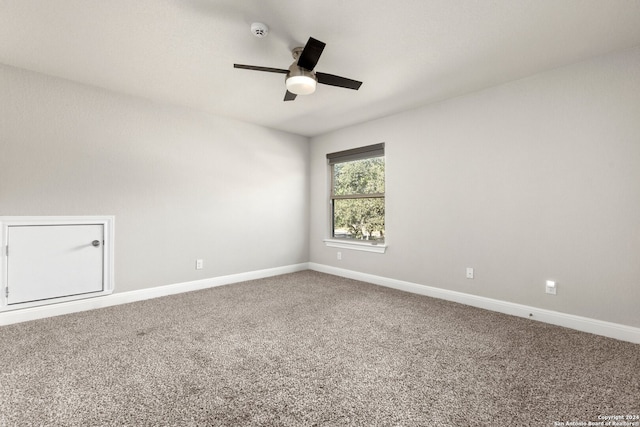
(52, 261)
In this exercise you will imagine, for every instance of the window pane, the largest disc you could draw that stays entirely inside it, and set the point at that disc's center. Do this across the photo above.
(359, 177)
(359, 218)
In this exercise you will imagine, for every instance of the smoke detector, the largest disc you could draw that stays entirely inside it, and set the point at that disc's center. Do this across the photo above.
(259, 29)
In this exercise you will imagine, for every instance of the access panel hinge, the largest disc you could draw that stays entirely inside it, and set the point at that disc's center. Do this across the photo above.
(6, 292)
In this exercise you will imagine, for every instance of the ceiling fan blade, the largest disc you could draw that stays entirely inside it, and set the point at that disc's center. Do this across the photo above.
(332, 80)
(256, 68)
(288, 96)
(311, 54)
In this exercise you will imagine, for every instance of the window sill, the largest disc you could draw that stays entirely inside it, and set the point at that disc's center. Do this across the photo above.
(356, 245)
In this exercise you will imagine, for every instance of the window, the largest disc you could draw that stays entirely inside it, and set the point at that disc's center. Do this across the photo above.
(357, 194)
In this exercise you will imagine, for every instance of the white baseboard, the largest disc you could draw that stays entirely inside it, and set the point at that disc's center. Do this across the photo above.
(584, 324)
(57, 309)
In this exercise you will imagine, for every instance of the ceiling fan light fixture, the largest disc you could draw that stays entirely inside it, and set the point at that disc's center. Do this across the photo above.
(301, 85)
(300, 81)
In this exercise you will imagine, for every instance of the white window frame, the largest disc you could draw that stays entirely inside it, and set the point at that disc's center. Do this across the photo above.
(359, 153)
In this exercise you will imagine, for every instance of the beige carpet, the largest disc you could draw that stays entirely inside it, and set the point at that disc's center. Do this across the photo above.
(309, 349)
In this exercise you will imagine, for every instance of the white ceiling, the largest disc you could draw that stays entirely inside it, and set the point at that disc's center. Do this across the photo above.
(407, 52)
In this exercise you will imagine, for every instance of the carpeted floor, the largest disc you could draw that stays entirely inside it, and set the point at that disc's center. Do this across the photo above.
(309, 349)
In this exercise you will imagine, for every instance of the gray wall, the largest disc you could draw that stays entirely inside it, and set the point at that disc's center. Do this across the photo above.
(532, 180)
(182, 184)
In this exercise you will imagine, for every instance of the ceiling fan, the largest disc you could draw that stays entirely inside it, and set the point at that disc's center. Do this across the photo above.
(300, 77)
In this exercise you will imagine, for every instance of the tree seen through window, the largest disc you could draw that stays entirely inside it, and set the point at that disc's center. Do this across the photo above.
(358, 199)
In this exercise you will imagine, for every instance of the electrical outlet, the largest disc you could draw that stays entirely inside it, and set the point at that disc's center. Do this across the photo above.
(551, 287)
(469, 273)
(339, 256)
(199, 264)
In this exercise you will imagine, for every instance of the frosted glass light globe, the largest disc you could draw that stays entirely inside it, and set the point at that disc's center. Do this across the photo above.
(301, 85)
